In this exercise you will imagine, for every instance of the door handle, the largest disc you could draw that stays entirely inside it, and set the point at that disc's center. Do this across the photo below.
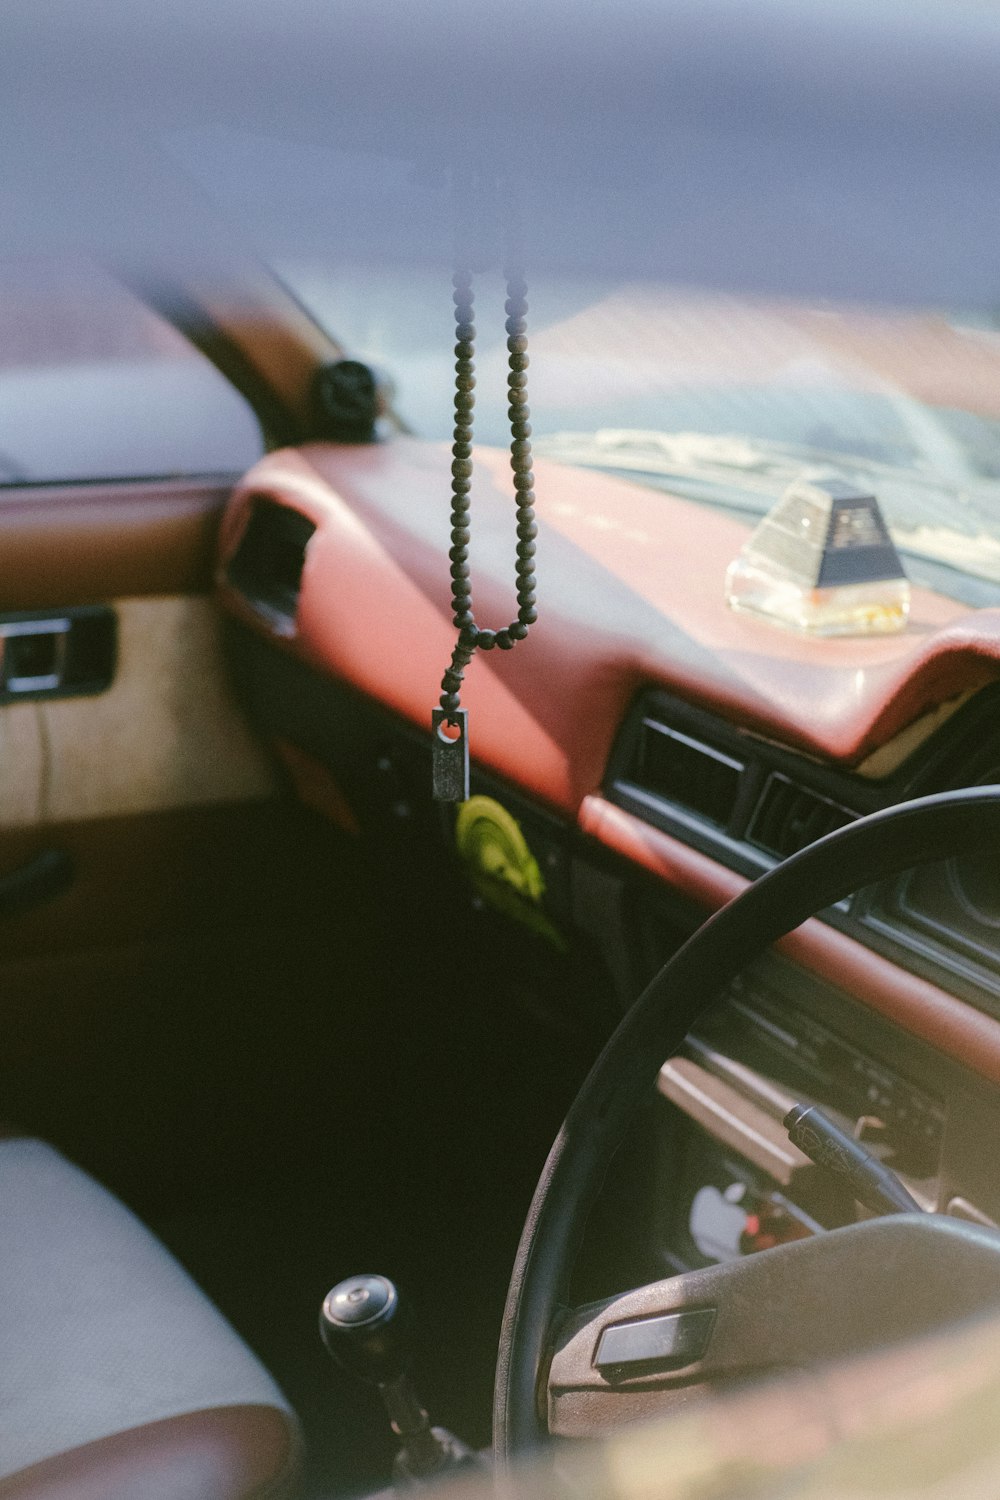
(61, 654)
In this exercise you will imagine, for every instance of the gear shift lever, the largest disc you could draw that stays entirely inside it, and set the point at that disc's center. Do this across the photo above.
(365, 1332)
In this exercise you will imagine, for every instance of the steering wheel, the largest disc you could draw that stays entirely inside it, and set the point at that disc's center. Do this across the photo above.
(544, 1347)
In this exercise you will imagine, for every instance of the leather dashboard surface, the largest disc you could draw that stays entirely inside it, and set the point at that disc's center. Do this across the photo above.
(630, 596)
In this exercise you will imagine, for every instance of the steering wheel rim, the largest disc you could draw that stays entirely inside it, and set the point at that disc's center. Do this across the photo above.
(875, 848)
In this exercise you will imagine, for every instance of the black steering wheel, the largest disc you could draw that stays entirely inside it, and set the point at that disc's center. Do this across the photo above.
(872, 849)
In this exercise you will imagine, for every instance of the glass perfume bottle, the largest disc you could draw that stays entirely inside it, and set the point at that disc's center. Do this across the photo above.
(822, 561)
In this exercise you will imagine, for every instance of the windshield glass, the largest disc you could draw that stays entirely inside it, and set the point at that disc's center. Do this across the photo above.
(720, 398)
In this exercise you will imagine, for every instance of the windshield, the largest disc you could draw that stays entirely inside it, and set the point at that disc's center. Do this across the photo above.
(720, 398)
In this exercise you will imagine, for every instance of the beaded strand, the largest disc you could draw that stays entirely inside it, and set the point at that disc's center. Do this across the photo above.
(473, 637)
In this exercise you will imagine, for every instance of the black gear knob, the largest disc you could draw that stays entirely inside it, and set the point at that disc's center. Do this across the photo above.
(362, 1327)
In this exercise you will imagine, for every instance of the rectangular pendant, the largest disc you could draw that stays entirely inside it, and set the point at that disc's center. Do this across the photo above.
(450, 756)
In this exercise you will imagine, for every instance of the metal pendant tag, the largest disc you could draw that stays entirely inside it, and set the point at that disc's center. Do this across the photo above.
(450, 755)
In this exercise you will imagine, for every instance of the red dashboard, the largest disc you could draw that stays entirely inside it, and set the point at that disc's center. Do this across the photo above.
(631, 595)
(630, 599)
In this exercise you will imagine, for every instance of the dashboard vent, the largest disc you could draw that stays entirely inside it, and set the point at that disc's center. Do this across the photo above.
(684, 771)
(788, 817)
(267, 565)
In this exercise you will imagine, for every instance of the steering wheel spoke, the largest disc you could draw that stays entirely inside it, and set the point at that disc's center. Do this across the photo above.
(806, 1302)
(779, 1330)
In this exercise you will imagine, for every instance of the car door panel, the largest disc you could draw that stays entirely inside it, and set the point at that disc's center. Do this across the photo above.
(67, 544)
(154, 789)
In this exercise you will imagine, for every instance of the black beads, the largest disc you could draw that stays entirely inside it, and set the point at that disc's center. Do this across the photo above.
(461, 479)
(471, 636)
(520, 457)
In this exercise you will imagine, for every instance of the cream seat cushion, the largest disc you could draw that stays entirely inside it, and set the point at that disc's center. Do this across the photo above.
(102, 1332)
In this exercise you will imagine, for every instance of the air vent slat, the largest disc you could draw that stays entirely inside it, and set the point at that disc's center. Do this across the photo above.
(774, 814)
(788, 817)
(688, 773)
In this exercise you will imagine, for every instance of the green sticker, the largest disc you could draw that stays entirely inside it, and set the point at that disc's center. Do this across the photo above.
(503, 869)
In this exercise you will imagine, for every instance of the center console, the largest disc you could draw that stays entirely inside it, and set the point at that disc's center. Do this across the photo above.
(733, 1183)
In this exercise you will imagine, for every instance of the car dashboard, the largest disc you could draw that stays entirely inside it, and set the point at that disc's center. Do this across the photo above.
(651, 753)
